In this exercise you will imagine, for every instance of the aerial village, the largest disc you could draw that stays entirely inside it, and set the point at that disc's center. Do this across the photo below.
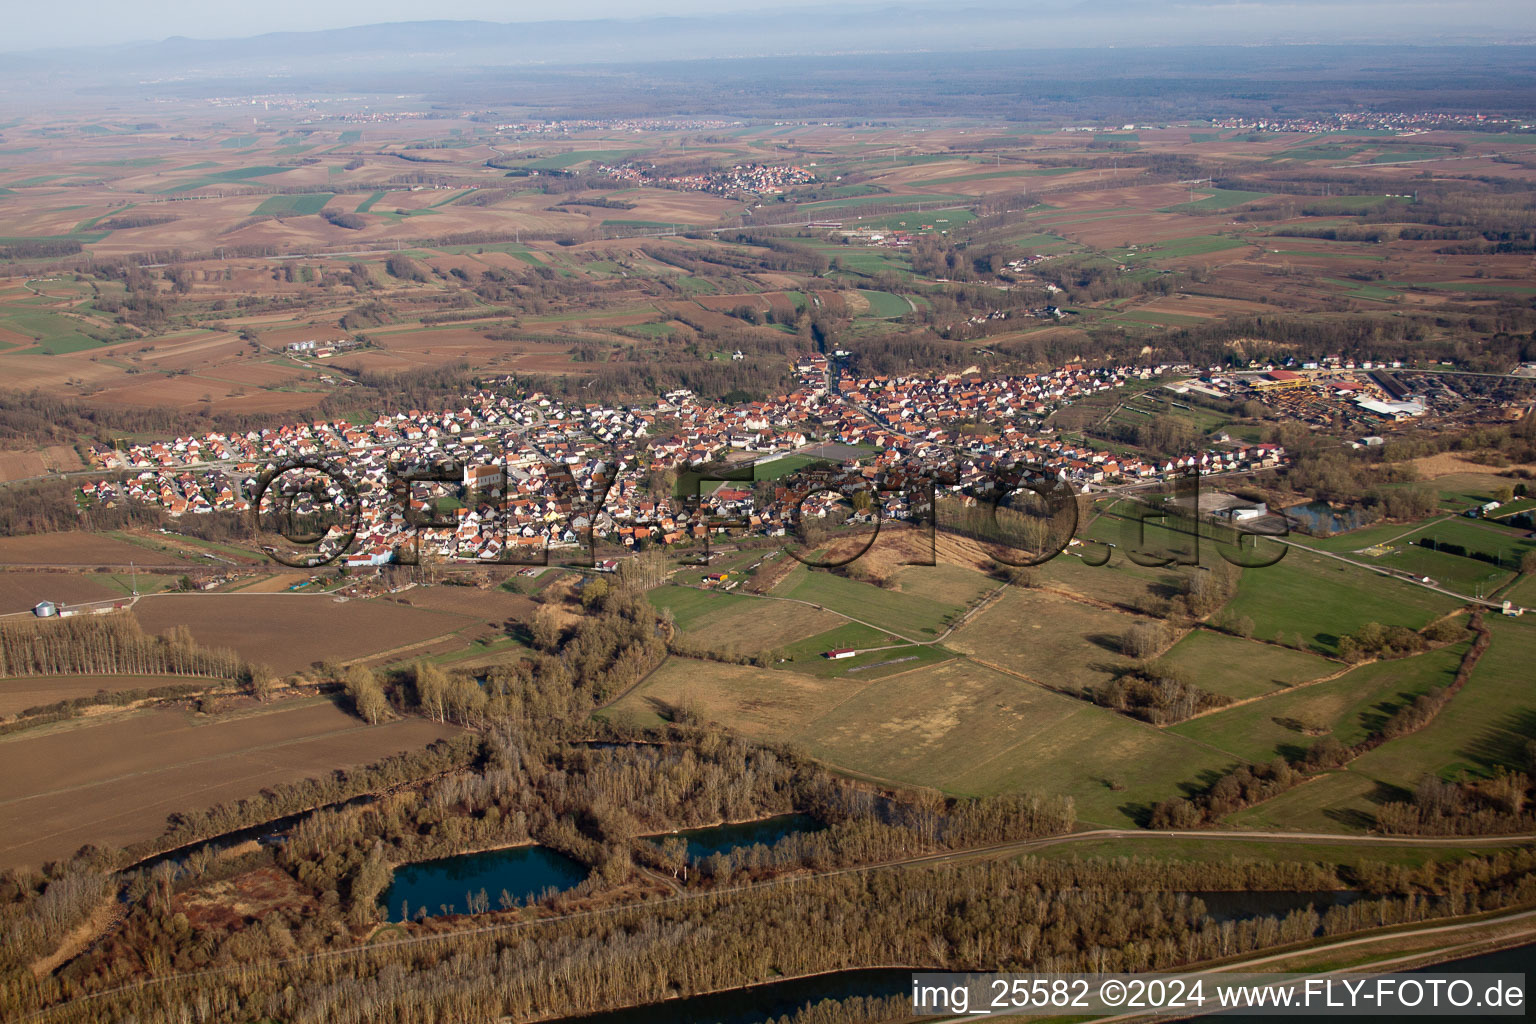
(538, 474)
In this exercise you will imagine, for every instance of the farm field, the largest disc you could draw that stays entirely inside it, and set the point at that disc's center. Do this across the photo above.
(1238, 668)
(1348, 708)
(81, 549)
(293, 204)
(290, 632)
(21, 693)
(1054, 641)
(1121, 582)
(957, 726)
(740, 623)
(21, 591)
(1460, 573)
(915, 616)
(114, 783)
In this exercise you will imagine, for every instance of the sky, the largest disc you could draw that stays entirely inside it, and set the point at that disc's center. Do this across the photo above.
(32, 25)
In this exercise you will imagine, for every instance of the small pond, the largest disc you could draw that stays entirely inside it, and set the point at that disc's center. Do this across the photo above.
(523, 872)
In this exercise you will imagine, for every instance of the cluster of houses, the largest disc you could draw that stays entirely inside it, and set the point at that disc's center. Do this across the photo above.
(505, 478)
(759, 179)
(624, 124)
(1403, 123)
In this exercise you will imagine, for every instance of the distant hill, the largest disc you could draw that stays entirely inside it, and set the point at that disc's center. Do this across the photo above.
(795, 31)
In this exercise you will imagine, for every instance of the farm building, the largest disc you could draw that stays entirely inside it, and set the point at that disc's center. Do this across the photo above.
(839, 653)
(45, 609)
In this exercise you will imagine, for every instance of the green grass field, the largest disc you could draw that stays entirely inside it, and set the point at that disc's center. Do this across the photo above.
(655, 225)
(1485, 726)
(1346, 204)
(885, 305)
(806, 656)
(1458, 573)
(1478, 535)
(1019, 172)
(1321, 599)
(1057, 642)
(1160, 319)
(1398, 156)
(302, 204)
(688, 604)
(869, 262)
(1198, 245)
(783, 466)
(55, 334)
(913, 615)
(1324, 151)
(1362, 290)
(1239, 668)
(225, 177)
(746, 625)
(942, 220)
(1041, 242)
(1349, 707)
(580, 156)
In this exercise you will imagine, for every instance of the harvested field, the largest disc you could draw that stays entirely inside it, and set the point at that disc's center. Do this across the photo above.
(21, 591)
(77, 548)
(1447, 464)
(20, 694)
(114, 783)
(20, 465)
(1059, 643)
(291, 632)
(493, 604)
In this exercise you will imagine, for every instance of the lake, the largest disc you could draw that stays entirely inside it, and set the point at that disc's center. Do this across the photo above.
(524, 872)
(1321, 519)
(703, 842)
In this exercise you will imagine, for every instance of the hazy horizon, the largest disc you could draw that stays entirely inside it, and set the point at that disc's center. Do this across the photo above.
(1065, 23)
